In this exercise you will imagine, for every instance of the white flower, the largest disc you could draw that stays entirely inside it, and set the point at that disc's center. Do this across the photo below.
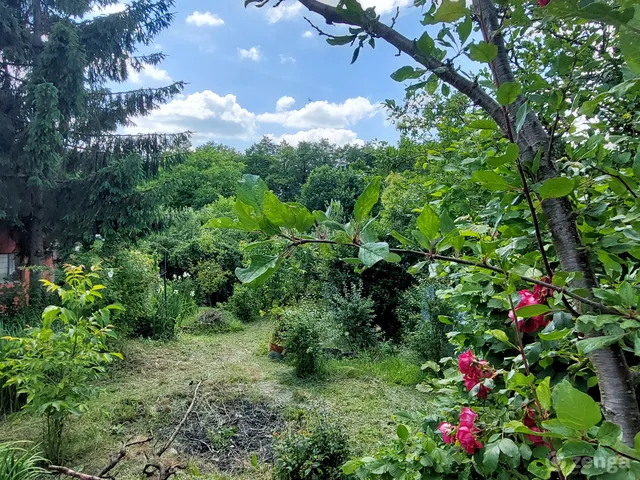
(185, 275)
(99, 237)
(175, 292)
(77, 248)
(110, 274)
(174, 276)
(193, 294)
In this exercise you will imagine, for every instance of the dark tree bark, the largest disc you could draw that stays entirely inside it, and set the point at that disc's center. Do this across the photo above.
(614, 377)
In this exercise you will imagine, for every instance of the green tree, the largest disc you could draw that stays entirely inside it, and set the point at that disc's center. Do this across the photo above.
(330, 183)
(204, 175)
(59, 118)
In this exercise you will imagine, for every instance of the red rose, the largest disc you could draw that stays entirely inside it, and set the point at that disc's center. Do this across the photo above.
(467, 440)
(468, 417)
(465, 360)
(530, 325)
(543, 3)
(448, 432)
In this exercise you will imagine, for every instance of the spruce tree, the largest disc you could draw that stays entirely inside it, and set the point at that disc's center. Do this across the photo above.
(65, 170)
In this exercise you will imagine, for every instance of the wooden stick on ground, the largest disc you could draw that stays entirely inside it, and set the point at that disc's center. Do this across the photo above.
(184, 419)
(72, 473)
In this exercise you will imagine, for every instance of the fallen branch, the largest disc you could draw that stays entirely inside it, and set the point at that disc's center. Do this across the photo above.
(184, 419)
(72, 473)
(117, 458)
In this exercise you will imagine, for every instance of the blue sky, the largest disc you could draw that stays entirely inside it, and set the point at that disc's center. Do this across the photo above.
(255, 72)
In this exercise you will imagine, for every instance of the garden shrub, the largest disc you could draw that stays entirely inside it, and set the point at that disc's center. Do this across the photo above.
(302, 337)
(420, 311)
(245, 303)
(56, 365)
(355, 315)
(313, 449)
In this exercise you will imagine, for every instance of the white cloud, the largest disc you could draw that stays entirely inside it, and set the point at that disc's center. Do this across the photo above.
(284, 103)
(337, 136)
(150, 71)
(207, 114)
(107, 9)
(285, 11)
(323, 114)
(307, 34)
(205, 19)
(254, 54)
(285, 59)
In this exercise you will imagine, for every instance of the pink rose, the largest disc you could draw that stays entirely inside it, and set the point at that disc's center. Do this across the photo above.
(465, 360)
(467, 440)
(448, 432)
(530, 325)
(468, 417)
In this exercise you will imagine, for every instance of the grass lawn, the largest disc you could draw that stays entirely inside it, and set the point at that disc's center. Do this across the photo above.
(244, 397)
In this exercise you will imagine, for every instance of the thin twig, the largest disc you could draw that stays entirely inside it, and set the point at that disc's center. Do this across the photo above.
(184, 419)
(72, 473)
(620, 179)
(518, 336)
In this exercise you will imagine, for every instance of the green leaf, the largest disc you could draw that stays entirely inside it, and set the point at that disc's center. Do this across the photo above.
(367, 200)
(576, 448)
(261, 267)
(250, 191)
(630, 47)
(499, 335)
(585, 347)
(407, 73)
(508, 93)
(532, 311)
(483, 52)
(490, 456)
(521, 116)
(510, 155)
(245, 215)
(509, 448)
(541, 468)
(490, 180)
(543, 392)
(429, 222)
(341, 40)
(575, 409)
(413, 269)
(636, 441)
(426, 44)
(609, 433)
(278, 213)
(483, 124)
(403, 432)
(304, 220)
(464, 29)
(556, 187)
(351, 466)
(450, 11)
(372, 253)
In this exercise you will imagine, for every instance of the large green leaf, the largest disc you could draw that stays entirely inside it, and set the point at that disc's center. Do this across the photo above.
(426, 44)
(277, 212)
(483, 52)
(510, 156)
(490, 180)
(556, 187)
(259, 270)
(245, 215)
(304, 220)
(372, 253)
(575, 409)
(228, 223)
(407, 73)
(508, 93)
(450, 11)
(588, 345)
(251, 191)
(429, 222)
(367, 200)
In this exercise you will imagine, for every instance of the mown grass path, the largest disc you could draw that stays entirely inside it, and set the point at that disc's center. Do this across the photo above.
(148, 393)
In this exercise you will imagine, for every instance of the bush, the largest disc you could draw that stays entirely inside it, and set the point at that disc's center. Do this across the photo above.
(18, 463)
(353, 312)
(245, 303)
(56, 365)
(422, 331)
(217, 320)
(301, 335)
(314, 449)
